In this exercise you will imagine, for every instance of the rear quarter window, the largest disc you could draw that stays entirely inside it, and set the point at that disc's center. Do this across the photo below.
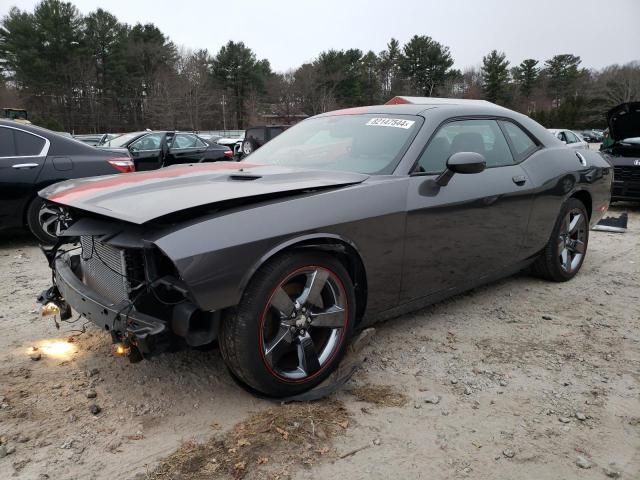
(523, 145)
(27, 144)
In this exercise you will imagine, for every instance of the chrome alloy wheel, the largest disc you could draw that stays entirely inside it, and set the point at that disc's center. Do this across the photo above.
(572, 240)
(53, 219)
(303, 324)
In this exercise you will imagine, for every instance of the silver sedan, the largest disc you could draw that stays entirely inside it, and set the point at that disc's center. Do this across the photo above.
(572, 139)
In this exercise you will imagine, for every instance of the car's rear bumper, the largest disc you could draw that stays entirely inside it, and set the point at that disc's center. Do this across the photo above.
(121, 319)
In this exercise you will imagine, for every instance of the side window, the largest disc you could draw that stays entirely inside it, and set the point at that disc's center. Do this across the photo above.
(7, 146)
(200, 143)
(27, 144)
(257, 134)
(571, 138)
(480, 136)
(184, 140)
(274, 132)
(148, 142)
(522, 143)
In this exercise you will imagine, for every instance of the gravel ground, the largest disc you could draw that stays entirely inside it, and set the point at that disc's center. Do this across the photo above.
(518, 379)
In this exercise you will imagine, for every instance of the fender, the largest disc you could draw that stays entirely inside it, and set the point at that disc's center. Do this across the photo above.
(303, 240)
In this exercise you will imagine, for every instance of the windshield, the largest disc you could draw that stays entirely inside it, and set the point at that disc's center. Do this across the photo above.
(354, 143)
(122, 140)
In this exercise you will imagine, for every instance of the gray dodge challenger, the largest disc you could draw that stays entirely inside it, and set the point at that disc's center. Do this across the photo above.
(347, 218)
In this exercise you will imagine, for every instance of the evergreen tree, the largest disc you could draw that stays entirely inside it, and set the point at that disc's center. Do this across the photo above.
(495, 76)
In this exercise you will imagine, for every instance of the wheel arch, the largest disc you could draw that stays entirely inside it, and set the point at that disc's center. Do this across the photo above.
(585, 197)
(345, 250)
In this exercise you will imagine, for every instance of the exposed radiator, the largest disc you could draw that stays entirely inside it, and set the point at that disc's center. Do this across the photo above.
(105, 269)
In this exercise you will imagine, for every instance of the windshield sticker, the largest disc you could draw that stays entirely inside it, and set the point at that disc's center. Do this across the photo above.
(390, 122)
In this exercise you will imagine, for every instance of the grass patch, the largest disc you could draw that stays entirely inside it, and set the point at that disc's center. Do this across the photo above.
(380, 395)
(266, 445)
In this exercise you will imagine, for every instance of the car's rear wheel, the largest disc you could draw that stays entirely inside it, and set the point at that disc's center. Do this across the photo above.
(565, 252)
(46, 220)
(292, 325)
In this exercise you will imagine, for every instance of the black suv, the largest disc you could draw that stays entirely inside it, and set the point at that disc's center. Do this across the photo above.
(255, 137)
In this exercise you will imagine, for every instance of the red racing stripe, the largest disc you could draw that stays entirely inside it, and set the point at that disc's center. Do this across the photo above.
(89, 188)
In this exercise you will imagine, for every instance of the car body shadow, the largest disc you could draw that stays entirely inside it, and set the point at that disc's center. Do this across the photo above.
(17, 238)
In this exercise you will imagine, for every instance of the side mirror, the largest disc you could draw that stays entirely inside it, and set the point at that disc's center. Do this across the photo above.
(464, 163)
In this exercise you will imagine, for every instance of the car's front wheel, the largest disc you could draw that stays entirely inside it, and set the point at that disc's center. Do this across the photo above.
(292, 325)
(565, 252)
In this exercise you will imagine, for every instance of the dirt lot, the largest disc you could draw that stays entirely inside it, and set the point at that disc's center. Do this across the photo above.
(518, 379)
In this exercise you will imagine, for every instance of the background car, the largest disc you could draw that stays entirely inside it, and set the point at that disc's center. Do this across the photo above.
(346, 218)
(255, 137)
(623, 150)
(91, 139)
(156, 149)
(18, 115)
(572, 139)
(589, 136)
(210, 137)
(32, 158)
(233, 142)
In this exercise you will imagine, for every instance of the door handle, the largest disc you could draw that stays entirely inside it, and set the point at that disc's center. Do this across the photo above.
(25, 165)
(519, 180)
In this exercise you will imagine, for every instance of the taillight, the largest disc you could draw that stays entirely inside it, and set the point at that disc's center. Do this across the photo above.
(228, 153)
(124, 165)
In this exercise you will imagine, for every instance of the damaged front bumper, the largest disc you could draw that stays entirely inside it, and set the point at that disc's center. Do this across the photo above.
(145, 333)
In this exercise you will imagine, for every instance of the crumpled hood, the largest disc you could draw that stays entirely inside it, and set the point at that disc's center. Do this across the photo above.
(624, 121)
(143, 196)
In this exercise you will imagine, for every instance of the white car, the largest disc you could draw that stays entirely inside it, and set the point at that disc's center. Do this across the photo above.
(572, 139)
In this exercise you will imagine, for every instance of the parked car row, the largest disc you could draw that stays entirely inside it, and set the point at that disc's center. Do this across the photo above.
(592, 136)
(156, 149)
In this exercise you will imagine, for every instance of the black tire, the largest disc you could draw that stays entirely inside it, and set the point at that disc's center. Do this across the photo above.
(243, 334)
(35, 217)
(248, 147)
(550, 264)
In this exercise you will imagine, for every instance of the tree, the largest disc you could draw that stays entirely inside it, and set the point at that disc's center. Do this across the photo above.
(562, 72)
(105, 41)
(619, 84)
(238, 71)
(495, 76)
(389, 68)
(526, 75)
(425, 64)
(194, 72)
(340, 75)
(370, 85)
(43, 54)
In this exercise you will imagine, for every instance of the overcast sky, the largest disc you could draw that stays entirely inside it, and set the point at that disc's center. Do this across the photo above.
(291, 32)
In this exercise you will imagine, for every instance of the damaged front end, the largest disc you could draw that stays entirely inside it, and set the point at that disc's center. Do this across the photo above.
(127, 287)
